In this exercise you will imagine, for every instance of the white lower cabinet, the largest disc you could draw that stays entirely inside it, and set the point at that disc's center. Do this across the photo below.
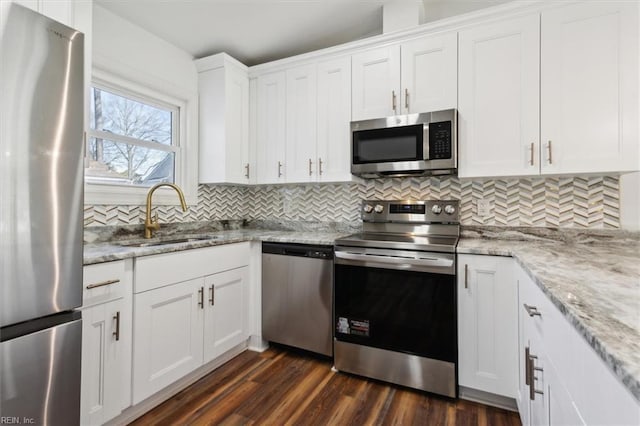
(167, 332)
(179, 326)
(487, 324)
(106, 342)
(226, 313)
(562, 380)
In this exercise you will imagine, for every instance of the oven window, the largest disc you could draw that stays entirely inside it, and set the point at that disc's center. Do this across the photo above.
(403, 311)
(391, 144)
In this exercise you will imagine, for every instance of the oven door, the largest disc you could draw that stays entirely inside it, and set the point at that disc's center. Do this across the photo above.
(396, 300)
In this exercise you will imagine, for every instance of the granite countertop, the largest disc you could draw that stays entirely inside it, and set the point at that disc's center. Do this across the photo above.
(105, 251)
(593, 278)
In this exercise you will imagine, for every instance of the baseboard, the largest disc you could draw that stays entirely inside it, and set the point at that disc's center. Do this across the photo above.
(135, 411)
(487, 398)
(256, 344)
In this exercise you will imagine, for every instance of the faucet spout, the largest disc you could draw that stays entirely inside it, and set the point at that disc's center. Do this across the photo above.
(151, 223)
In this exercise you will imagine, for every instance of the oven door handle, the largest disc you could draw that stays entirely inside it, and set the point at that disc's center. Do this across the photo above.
(432, 264)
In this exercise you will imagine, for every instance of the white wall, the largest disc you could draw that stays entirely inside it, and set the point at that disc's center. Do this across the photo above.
(126, 51)
(630, 201)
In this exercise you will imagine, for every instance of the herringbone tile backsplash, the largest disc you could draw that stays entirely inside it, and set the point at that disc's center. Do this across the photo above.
(590, 202)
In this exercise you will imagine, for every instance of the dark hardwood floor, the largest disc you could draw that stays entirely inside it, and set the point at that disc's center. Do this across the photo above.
(281, 387)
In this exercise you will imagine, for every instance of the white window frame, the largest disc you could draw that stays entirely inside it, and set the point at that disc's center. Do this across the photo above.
(124, 194)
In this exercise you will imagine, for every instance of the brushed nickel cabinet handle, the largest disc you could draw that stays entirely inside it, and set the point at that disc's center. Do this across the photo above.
(116, 333)
(102, 284)
(393, 100)
(201, 297)
(279, 169)
(310, 163)
(247, 169)
(406, 99)
(527, 370)
(466, 276)
(531, 152)
(212, 295)
(550, 152)
(532, 378)
(532, 310)
(320, 166)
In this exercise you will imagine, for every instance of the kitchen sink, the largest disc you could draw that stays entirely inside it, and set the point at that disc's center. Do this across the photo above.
(154, 243)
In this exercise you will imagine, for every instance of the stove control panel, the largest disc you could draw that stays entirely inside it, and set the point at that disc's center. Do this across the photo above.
(411, 211)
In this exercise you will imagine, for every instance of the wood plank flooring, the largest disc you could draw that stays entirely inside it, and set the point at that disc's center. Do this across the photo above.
(281, 387)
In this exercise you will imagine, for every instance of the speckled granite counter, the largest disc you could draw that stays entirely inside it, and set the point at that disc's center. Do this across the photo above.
(592, 277)
(115, 244)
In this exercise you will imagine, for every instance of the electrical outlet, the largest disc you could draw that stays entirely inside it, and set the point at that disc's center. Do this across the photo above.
(483, 207)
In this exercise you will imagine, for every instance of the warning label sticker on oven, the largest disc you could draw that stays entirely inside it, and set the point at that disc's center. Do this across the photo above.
(351, 326)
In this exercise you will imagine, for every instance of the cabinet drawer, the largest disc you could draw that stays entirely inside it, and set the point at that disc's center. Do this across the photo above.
(104, 282)
(169, 268)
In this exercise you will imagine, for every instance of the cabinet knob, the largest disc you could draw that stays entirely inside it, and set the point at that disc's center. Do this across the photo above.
(549, 149)
(406, 99)
(320, 166)
(393, 100)
(247, 169)
(279, 169)
(310, 171)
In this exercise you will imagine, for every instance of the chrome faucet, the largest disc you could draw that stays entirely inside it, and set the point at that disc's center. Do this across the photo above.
(151, 223)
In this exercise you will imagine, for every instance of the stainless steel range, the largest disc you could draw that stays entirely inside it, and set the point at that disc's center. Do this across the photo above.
(395, 295)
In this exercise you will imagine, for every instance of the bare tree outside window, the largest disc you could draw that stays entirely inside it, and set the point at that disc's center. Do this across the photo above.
(130, 142)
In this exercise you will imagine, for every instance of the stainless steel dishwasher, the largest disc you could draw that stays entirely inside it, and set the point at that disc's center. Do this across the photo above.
(297, 294)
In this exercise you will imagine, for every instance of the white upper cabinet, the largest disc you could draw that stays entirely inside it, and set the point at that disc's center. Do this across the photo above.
(428, 74)
(589, 81)
(376, 83)
(334, 115)
(224, 120)
(498, 109)
(579, 115)
(301, 124)
(271, 128)
(303, 116)
(417, 76)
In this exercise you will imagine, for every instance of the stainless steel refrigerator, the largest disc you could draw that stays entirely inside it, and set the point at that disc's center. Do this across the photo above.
(41, 197)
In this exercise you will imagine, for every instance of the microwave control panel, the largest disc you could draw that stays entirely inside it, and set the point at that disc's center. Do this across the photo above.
(440, 140)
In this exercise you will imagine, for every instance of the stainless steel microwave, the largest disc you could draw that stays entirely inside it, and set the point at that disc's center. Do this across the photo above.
(405, 145)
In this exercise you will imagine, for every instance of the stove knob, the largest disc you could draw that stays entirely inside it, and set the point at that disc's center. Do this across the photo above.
(436, 209)
(379, 208)
(449, 209)
(367, 208)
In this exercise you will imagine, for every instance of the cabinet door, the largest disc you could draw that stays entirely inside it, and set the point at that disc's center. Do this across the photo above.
(226, 313)
(488, 324)
(271, 128)
(224, 125)
(589, 92)
(301, 124)
(429, 74)
(334, 115)
(102, 362)
(376, 83)
(167, 333)
(237, 125)
(498, 108)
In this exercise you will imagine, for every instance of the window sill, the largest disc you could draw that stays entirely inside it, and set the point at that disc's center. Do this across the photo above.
(96, 194)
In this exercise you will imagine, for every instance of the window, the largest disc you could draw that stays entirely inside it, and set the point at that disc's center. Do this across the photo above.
(132, 140)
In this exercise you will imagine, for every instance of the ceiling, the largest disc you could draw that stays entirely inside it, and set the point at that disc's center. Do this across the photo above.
(258, 31)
